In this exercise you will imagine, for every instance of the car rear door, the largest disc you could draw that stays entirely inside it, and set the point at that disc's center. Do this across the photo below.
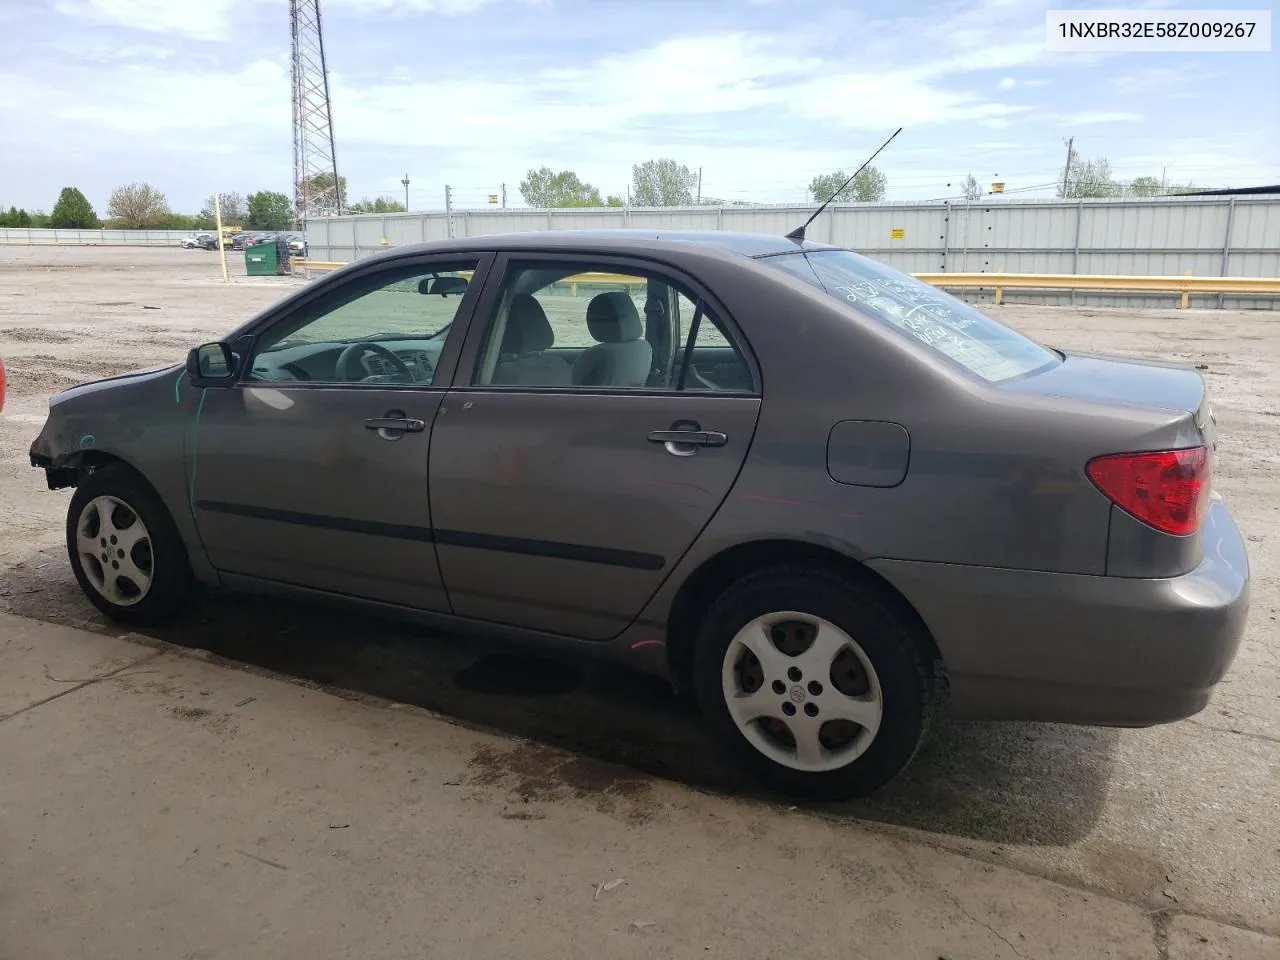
(562, 504)
(314, 474)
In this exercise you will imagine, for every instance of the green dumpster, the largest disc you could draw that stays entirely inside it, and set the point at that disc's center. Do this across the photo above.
(263, 260)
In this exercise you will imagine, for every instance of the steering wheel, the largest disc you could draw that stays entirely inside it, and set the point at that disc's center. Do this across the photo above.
(347, 370)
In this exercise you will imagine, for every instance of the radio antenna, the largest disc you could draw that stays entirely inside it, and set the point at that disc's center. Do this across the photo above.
(798, 233)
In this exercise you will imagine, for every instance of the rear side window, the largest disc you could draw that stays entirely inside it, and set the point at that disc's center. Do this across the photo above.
(583, 325)
(942, 322)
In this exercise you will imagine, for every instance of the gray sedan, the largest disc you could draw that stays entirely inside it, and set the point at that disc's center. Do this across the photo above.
(826, 497)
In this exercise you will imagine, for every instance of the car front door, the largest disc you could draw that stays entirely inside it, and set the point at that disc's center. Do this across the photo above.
(576, 459)
(311, 470)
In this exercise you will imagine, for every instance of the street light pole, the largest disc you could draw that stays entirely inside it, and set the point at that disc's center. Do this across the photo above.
(405, 181)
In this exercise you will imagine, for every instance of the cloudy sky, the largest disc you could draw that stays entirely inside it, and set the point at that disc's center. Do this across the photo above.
(193, 96)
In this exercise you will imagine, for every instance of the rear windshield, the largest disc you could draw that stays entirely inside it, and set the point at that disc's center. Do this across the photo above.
(940, 321)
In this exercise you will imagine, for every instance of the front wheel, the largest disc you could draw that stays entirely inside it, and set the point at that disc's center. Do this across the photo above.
(815, 681)
(125, 551)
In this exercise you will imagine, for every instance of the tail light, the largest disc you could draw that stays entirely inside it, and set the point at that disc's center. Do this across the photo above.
(1168, 490)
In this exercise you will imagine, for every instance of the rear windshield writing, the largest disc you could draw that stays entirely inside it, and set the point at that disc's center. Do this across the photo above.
(950, 326)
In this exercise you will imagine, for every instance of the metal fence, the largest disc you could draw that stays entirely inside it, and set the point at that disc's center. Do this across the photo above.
(37, 236)
(1220, 236)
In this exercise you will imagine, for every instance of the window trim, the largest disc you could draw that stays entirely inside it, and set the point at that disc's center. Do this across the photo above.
(328, 290)
(507, 262)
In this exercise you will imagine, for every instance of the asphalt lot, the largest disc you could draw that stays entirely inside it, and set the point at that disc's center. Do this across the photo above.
(1182, 818)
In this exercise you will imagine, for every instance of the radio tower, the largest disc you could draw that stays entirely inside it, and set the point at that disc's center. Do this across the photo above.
(315, 162)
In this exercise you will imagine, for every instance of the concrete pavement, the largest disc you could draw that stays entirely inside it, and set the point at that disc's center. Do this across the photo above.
(156, 804)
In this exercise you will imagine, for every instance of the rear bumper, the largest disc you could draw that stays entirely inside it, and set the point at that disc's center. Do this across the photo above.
(1111, 651)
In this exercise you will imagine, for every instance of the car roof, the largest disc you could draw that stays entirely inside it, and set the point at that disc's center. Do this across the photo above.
(632, 240)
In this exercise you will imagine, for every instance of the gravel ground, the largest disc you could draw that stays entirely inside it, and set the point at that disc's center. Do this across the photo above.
(1184, 818)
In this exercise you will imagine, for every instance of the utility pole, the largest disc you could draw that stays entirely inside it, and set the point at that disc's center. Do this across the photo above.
(405, 181)
(1066, 170)
(504, 196)
(222, 249)
(699, 186)
(448, 208)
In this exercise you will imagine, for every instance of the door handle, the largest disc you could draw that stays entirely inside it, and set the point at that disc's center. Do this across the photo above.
(694, 438)
(403, 424)
(393, 428)
(685, 443)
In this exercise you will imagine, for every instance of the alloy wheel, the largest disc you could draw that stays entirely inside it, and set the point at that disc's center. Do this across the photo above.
(802, 691)
(115, 550)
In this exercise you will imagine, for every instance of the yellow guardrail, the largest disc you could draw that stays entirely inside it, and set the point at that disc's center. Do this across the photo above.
(314, 266)
(999, 282)
(1185, 285)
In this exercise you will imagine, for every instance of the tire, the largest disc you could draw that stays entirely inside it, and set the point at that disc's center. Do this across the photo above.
(145, 578)
(860, 654)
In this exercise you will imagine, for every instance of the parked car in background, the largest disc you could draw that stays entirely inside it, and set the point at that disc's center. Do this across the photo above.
(819, 492)
(192, 242)
(297, 245)
(207, 241)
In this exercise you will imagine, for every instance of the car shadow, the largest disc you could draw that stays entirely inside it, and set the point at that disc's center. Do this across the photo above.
(1014, 783)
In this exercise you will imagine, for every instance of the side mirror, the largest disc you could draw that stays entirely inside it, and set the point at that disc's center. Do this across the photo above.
(211, 365)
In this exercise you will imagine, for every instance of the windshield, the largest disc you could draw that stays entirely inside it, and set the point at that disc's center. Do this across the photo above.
(950, 326)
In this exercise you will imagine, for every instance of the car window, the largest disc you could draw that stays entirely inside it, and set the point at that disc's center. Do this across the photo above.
(940, 321)
(714, 361)
(389, 328)
(581, 326)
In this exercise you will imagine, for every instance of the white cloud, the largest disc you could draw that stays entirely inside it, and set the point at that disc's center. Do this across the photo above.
(1097, 116)
(762, 111)
(408, 8)
(197, 19)
(145, 99)
(102, 52)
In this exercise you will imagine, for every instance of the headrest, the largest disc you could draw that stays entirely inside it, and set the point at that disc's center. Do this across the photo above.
(528, 330)
(612, 318)
(442, 285)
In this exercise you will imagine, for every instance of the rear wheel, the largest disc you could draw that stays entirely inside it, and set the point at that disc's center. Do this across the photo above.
(817, 683)
(124, 549)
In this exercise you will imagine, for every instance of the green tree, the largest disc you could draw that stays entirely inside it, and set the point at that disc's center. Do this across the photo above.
(867, 187)
(377, 205)
(1086, 179)
(319, 189)
(972, 191)
(233, 209)
(268, 210)
(662, 183)
(15, 218)
(546, 188)
(181, 221)
(137, 206)
(615, 201)
(1145, 187)
(73, 211)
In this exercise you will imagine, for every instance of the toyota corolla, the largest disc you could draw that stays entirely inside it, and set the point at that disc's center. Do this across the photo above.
(825, 496)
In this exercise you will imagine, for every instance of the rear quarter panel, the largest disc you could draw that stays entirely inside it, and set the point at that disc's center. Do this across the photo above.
(994, 478)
